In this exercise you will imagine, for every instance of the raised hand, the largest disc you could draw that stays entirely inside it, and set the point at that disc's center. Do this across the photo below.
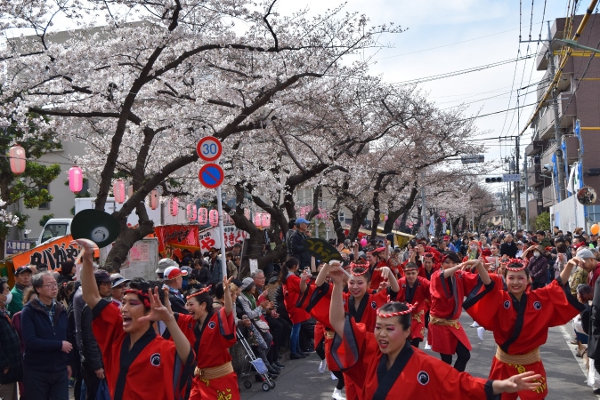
(158, 312)
(87, 248)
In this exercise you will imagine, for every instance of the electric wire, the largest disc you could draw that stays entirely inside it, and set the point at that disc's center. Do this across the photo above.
(459, 72)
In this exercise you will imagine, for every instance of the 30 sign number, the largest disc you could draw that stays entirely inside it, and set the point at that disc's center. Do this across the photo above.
(209, 149)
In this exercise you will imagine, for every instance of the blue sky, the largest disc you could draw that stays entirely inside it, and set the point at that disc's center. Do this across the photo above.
(452, 35)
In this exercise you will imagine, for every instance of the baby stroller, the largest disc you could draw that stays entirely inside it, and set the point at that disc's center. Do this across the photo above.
(255, 363)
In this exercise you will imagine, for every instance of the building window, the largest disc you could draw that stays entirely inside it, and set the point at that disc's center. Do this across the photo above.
(44, 206)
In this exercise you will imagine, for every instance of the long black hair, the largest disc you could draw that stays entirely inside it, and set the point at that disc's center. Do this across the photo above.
(285, 269)
(204, 297)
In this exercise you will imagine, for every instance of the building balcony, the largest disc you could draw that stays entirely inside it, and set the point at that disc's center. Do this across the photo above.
(533, 176)
(572, 148)
(567, 109)
(544, 129)
(548, 196)
(546, 157)
(533, 209)
(534, 148)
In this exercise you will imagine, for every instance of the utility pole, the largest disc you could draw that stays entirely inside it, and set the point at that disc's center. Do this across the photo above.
(517, 185)
(423, 209)
(560, 167)
(526, 195)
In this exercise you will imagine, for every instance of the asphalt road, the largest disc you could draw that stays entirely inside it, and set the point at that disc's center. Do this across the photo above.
(566, 380)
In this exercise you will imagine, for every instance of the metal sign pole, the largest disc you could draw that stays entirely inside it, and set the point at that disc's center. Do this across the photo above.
(222, 229)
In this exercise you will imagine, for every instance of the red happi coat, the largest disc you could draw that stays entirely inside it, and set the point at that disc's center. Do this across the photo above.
(316, 300)
(424, 274)
(150, 370)
(376, 277)
(210, 342)
(447, 297)
(520, 327)
(414, 374)
(291, 294)
(419, 295)
(366, 312)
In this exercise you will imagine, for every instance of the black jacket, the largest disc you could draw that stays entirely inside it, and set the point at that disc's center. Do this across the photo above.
(298, 251)
(510, 249)
(91, 356)
(201, 275)
(43, 340)
(594, 328)
(177, 305)
(10, 351)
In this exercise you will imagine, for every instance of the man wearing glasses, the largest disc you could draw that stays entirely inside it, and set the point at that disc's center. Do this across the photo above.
(48, 356)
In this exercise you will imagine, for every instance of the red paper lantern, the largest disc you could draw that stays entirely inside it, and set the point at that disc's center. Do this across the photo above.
(213, 218)
(191, 212)
(174, 206)
(16, 154)
(202, 216)
(154, 199)
(75, 179)
(119, 191)
(257, 219)
(266, 220)
(247, 213)
(129, 191)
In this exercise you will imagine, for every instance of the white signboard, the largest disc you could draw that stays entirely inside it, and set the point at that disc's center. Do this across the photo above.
(212, 238)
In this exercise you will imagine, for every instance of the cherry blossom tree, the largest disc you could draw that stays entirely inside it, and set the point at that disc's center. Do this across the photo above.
(141, 82)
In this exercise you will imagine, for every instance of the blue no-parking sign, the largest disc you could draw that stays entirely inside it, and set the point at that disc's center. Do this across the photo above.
(211, 176)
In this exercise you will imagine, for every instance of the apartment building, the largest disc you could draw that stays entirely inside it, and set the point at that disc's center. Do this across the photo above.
(578, 95)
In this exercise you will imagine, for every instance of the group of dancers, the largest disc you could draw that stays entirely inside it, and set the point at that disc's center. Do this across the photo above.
(371, 337)
(368, 337)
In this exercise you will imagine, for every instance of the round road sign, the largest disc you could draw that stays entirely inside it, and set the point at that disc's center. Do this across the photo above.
(211, 176)
(209, 148)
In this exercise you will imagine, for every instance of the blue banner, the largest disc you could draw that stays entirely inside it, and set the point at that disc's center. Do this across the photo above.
(555, 174)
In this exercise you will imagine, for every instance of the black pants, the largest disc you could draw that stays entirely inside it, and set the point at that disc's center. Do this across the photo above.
(320, 349)
(415, 342)
(462, 357)
(340, 379)
(92, 382)
(47, 385)
(307, 334)
(276, 329)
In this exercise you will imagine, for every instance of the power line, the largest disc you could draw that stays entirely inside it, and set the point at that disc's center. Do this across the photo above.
(496, 112)
(461, 72)
(450, 44)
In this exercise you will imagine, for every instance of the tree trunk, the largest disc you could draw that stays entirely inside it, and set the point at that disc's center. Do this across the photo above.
(392, 217)
(337, 224)
(358, 216)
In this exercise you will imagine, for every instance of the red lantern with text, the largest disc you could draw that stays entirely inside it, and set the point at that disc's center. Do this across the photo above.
(16, 154)
(154, 199)
(191, 212)
(213, 217)
(202, 216)
(174, 206)
(266, 220)
(75, 179)
(119, 191)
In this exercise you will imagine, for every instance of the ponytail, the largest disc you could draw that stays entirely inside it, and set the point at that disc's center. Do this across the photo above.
(285, 269)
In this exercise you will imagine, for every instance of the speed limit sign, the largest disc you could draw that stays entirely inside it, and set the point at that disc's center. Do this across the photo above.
(209, 148)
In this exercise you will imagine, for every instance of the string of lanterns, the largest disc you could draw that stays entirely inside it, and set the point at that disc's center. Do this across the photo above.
(18, 163)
